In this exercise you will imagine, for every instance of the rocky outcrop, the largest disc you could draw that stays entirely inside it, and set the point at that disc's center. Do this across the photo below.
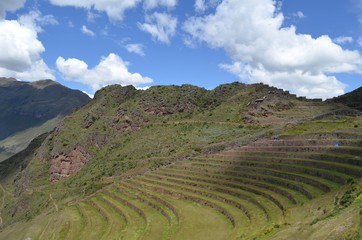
(168, 100)
(64, 165)
(266, 101)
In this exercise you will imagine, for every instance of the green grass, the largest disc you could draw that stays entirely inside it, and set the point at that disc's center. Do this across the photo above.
(135, 225)
(206, 224)
(318, 219)
(95, 218)
(195, 183)
(324, 126)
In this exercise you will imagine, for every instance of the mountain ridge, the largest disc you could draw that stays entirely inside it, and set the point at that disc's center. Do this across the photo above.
(26, 105)
(352, 99)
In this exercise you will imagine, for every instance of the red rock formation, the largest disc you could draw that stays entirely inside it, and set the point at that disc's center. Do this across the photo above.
(64, 165)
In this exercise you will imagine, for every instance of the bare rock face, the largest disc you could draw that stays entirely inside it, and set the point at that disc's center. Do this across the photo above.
(64, 165)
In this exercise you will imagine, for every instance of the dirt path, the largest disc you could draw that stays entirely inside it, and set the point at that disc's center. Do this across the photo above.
(55, 205)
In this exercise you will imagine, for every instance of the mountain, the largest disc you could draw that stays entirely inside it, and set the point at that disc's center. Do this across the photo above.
(352, 99)
(182, 162)
(28, 109)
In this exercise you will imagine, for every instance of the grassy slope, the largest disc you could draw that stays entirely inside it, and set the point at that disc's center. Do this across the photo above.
(169, 135)
(352, 99)
(21, 140)
(159, 137)
(324, 217)
(320, 218)
(158, 140)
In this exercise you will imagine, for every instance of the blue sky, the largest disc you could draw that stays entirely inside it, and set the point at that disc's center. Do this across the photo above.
(310, 47)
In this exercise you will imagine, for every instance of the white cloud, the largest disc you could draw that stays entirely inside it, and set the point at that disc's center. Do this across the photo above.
(87, 31)
(21, 50)
(343, 40)
(150, 4)
(10, 6)
(92, 16)
(113, 8)
(35, 20)
(89, 95)
(37, 71)
(301, 83)
(203, 5)
(143, 88)
(20, 46)
(251, 33)
(161, 26)
(299, 14)
(110, 70)
(200, 5)
(136, 48)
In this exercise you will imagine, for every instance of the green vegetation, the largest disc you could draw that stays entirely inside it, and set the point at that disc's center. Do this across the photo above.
(325, 126)
(352, 99)
(186, 163)
(20, 140)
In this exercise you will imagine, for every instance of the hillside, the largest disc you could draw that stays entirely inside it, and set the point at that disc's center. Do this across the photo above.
(28, 109)
(181, 162)
(352, 99)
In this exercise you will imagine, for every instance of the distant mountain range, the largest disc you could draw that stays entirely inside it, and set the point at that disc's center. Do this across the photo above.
(28, 109)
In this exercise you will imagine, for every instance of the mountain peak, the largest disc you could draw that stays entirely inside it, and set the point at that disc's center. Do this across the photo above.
(5, 82)
(25, 105)
(352, 99)
(41, 84)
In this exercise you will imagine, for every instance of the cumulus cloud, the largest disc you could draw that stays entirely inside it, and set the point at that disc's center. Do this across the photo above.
(37, 71)
(301, 83)
(136, 48)
(21, 50)
(262, 50)
(343, 40)
(10, 6)
(162, 26)
(20, 46)
(113, 8)
(150, 4)
(110, 70)
(87, 31)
